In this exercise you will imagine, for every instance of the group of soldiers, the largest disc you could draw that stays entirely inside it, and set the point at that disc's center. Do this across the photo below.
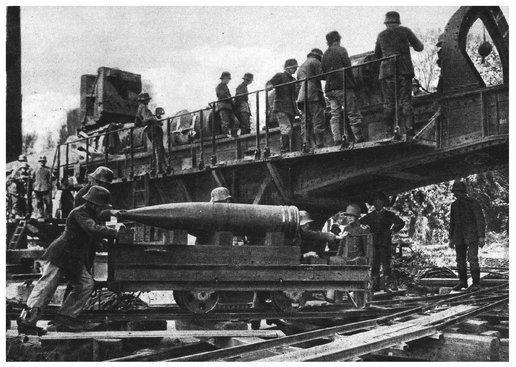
(290, 97)
(25, 185)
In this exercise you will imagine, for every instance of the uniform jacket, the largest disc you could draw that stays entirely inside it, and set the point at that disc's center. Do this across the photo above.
(392, 41)
(222, 91)
(309, 68)
(316, 241)
(144, 117)
(357, 240)
(285, 97)
(467, 222)
(70, 251)
(334, 58)
(23, 176)
(78, 200)
(242, 103)
(42, 179)
(382, 224)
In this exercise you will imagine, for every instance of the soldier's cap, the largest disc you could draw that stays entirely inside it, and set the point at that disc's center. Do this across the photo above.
(225, 75)
(42, 159)
(317, 53)
(102, 174)
(392, 17)
(248, 76)
(219, 194)
(98, 196)
(379, 195)
(332, 37)
(144, 97)
(290, 63)
(458, 186)
(22, 158)
(354, 210)
(304, 218)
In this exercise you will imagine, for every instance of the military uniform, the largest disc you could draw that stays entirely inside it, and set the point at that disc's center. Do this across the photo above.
(23, 177)
(397, 41)
(154, 132)
(356, 242)
(284, 106)
(43, 190)
(225, 110)
(382, 224)
(334, 58)
(467, 226)
(242, 110)
(314, 100)
(67, 256)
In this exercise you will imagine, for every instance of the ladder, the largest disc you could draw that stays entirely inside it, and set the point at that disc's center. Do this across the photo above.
(14, 243)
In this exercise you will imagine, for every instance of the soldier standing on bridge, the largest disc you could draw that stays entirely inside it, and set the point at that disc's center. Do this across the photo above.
(22, 176)
(467, 234)
(153, 128)
(396, 40)
(314, 98)
(242, 110)
(335, 58)
(382, 223)
(225, 109)
(43, 188)
(67, 256)
(284, 106)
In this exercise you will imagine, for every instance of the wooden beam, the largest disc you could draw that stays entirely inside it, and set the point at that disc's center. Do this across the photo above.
(278, 182)
(263, 186)
(219, 177)
(403, 175)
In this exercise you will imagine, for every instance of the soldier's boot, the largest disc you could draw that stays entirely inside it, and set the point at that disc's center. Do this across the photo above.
(319, 140)
(475, 276)
(285, 144)
(463, 280)
(356, 129)
(27, 322)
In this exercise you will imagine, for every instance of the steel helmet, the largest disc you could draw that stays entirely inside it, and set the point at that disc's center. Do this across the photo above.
(102, 174)
(291, 63)
(225, 74)
(354, 210)
(98, 196)
(248, 76)
(219, 194)
(42, 159)
(317, 53)
(392, 17)
(332, 37)
(144, 97)
(304, 218)
(458, 186)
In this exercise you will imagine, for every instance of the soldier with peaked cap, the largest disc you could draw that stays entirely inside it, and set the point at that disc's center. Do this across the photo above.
(242, 110)
(67, 256)
(382, 224)
(336, 57)
(154, 130)
(225, 109)
(467, 234)
(43, 188)
(284, 107)
(397, 40)
(314, 96)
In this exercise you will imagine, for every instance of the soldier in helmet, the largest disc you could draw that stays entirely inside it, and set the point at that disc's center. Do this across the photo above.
(396, 40)
(313, 242)
(102, 176)
(67, 256)
(314, 96)
(225, 109)
(467, 234)
(242, 110)
(284, 106)
(43, 188)
(154, 130)
(356, 234)
(220, 195)
(23, 178)
(382, 224)
(335, 58)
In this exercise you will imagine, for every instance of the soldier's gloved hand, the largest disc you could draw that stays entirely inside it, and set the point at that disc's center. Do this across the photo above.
(451, 244)
(481, 242)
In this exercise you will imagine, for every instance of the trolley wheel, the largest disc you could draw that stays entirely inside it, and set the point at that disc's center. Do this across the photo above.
(288, 301)
(197, 301)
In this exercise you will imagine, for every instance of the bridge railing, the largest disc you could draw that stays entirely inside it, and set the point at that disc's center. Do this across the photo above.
(262, 149)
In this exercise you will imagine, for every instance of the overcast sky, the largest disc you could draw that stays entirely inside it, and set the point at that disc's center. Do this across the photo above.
(181, 51)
